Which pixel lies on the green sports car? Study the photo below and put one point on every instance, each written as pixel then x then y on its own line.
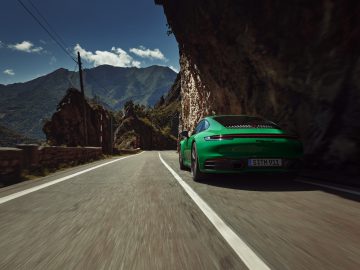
pixel 238 144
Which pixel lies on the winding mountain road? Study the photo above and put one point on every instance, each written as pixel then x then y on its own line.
pixel 142 212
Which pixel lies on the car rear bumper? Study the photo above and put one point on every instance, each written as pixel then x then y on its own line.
pixel 228 165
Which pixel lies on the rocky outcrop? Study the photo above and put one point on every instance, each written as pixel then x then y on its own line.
pixel 139 132
pixel 66 126
pixel 294 62
pixel 167 111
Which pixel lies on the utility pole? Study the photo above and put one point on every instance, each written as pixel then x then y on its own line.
pixel 101 131
pixel 83 103
pixel 111 135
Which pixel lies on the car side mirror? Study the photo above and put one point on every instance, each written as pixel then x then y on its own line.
pixel 184 134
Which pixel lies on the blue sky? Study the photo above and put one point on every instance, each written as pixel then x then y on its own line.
pixel 117 32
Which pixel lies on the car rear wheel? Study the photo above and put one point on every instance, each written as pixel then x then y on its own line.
pixel 181 162
pixel 195 171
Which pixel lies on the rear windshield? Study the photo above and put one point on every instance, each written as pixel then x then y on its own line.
pixel 244 122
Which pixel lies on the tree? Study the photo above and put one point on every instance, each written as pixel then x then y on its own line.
pixel 129 108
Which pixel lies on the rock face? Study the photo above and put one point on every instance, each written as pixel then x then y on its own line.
pixel 166 112
pixel 66 125
pixel 137 132
pixel 294 62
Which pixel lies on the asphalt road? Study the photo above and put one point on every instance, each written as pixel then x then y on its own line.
pixel 135 214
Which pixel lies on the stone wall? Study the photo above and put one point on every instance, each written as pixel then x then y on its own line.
pixel 11 162
pixel 32 157
pixel 56 155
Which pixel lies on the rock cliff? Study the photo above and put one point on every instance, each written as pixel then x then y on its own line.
pixel 294 62
pixel 137 131
pixel 66 125
pixel 166 112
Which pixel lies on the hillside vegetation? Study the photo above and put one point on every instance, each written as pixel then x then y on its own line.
pixel 24 107
pixel 137 126
pixel 150 128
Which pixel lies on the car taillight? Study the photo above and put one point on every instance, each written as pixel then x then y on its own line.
pixel 247 135
pixel 217 138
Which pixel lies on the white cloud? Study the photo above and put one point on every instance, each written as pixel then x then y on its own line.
pixel 116 57
pixel 25 46
pixel 9 72
pixel 147 53
pixel 1 44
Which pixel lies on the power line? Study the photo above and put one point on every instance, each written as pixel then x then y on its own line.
pixel 59 41
pixel 46 30
pixel 47 23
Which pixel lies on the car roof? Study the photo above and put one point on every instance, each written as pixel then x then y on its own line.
pixel 221 115
pixel 212 118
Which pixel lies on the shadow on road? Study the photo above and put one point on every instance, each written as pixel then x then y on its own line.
pixel 263 182
pixel 270 183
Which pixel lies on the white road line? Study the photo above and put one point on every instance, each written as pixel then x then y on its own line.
pixel 245 253
pixel 330 187
pixel 33 189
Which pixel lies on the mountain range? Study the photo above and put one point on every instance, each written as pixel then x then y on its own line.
pixel 25 106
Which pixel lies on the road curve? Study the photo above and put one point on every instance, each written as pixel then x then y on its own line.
pixel 134 214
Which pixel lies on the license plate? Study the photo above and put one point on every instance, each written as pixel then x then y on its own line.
pixel 265 162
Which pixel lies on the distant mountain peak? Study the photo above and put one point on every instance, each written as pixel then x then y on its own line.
pixel 116 67
pixel 60 70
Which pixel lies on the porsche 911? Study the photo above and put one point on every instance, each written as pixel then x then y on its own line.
pixel 238 144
